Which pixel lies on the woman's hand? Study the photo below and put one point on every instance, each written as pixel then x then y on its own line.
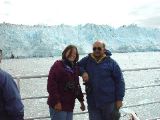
pixel 85 77
pixel 82 106
pixel 119 104
pixel 58 107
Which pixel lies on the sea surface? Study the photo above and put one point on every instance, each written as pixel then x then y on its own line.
pixel 41 66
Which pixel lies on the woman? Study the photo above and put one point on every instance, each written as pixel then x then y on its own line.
pixel 63 86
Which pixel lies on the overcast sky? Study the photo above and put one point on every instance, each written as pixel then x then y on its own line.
pixel 73 12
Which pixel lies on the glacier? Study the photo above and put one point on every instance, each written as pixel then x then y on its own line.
pixel 48 41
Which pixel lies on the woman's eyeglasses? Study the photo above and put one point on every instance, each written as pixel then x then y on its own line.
pixel 97 48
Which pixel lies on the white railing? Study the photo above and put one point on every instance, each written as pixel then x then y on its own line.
pixel 19 78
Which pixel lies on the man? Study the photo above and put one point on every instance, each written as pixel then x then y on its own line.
pixel 105 88
pixel 11 107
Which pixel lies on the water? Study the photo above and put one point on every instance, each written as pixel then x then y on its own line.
pixel 37 87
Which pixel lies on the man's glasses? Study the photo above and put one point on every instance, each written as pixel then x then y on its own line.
pixel 97 48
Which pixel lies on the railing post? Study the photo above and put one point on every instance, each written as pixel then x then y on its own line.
pixel 18 84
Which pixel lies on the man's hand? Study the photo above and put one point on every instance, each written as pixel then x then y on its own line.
pixel 58 107
pixel 85 77
pixel 82 106
pixel 119 104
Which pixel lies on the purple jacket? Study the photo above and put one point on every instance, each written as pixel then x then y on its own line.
pixel 59 75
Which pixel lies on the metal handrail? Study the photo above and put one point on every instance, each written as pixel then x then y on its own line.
pixel 157 118
pixel 129 88
pixel 19 78
pixel 139 69
pixel 124 70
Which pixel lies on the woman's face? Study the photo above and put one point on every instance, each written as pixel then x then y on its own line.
pixel 72 56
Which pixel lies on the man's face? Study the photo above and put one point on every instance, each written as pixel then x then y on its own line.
pixel 98 49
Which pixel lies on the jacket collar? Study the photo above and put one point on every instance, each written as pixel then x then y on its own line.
pixel 98 60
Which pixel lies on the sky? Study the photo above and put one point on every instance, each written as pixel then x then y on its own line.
pixel 72 12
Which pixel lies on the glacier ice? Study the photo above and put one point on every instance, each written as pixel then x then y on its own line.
pixel 44 41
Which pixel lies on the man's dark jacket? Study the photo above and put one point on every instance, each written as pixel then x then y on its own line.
pixel 11 107
pixel 105 79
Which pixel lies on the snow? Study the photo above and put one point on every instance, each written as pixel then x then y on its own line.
pixel 44 41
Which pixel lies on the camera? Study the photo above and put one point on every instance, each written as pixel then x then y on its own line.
pixel 88 87
pixel 70 86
